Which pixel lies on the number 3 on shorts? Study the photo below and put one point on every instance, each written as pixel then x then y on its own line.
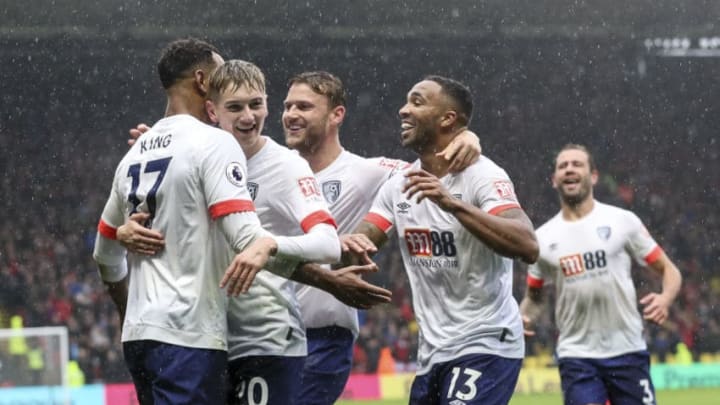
pixel 648 397
pixel 461 393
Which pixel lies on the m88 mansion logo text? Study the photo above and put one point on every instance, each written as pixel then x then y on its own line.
pixel 430 248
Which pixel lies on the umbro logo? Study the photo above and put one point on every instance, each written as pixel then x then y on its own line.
pixel 404 206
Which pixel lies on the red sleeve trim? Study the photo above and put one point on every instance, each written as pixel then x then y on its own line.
pixel 230 207
pixel 378 221
pixel 534 282
pixel 501 208
pixel 317 217
pixel 654 256
pixel 106 230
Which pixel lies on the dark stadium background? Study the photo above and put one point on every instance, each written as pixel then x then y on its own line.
pixel 76 75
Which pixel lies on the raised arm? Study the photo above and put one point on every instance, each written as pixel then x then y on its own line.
pixel 510 233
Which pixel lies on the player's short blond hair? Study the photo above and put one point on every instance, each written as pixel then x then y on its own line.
pixel 234 74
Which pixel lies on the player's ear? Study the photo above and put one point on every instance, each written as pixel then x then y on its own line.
pixel 210 108
pixel 337 115
pixel 449 119
pixel 201 81
pixel 594 176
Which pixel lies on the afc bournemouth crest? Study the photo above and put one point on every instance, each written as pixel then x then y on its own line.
pixel 331 190
pixel 604 232
pixel 253 189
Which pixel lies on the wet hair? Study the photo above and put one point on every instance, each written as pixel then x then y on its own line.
pixel 322 83
pixel 576 146
pixel 181 56
pixel 459 94
pixel 234 74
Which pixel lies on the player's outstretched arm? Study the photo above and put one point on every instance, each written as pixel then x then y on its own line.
pixel 463 151
pixel 531 307
pixel 137 239
pixel 657 306
pixel 510 233
pixel 345 284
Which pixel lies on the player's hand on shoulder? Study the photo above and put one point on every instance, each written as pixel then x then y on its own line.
pixel 136 132
pixel 137 239
pixel 242 271
pixel 463 151
pixel 655 307
pixel 357 248
pixel 350 289
pixel 420 185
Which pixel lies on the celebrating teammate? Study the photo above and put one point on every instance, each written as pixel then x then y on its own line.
pixel 457 233
pixel 314 111
pixel 266 337
pixel 587 250
pixel 189 178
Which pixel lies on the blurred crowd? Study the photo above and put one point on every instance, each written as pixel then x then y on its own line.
pixel 649 121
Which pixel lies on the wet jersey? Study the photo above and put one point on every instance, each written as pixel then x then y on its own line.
pixel 266 321
pixel 461 289
pixel 185 174
pixel 589 261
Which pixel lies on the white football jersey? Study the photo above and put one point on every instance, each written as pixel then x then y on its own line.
pixel 185 174
pixel 348 185
pixel 461 289
pixel 589 261
pixel 266 321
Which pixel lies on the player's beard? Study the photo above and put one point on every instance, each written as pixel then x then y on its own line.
pixel 419 139
pixel 582 193
pixel 310 140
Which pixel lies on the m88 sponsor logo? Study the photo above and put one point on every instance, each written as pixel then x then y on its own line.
pixel 574 265
pixel 429 243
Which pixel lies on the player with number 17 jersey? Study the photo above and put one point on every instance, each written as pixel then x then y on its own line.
pixel 187 175
pixel 461 289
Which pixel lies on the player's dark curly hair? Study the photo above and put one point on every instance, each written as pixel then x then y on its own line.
pixel 459 94
pixel 181 57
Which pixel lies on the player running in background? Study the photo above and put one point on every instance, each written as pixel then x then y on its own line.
pixel 314 111
pixel 189 178
pixel 458 234
pixel 587 251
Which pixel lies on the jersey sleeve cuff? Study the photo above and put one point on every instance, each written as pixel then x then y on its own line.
pixel 230 207
pixel 500 208
pixel 654 255
pixel 106 230
pixel 317 217
pixel 534 282
pixel 378 220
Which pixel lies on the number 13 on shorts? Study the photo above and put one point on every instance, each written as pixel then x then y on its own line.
pixel 466 388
